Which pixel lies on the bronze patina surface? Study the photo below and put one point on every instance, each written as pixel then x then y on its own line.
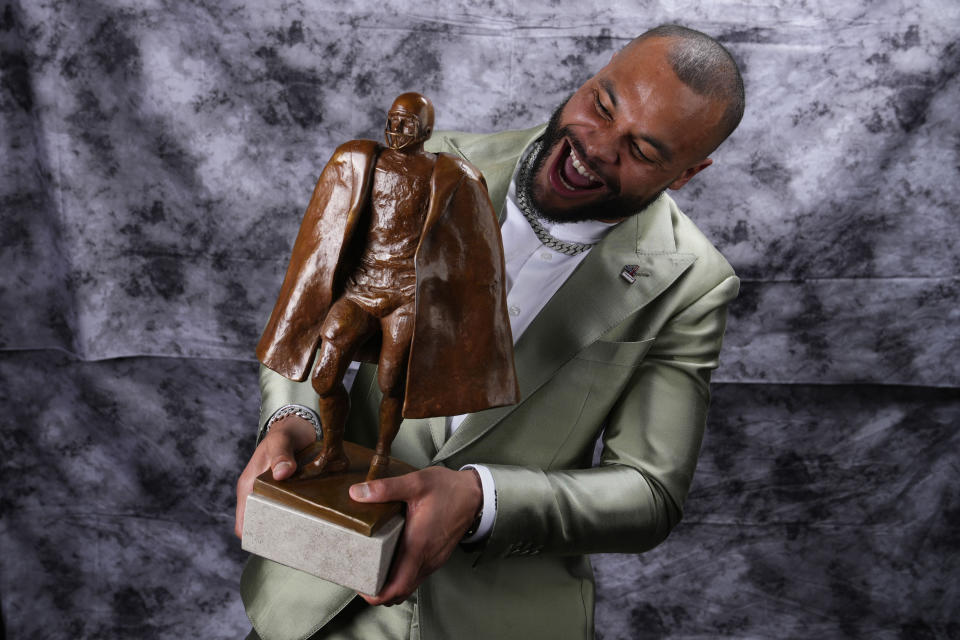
pixel 326 496
pixel 398 261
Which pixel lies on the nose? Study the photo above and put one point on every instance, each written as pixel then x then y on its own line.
pixel 601 144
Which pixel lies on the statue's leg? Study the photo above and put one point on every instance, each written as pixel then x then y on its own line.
pixel 344 329
pixel 397 331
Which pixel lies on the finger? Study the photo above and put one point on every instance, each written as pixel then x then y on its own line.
pixel 244 488
pixel 398 558
pixel 283 467
pixel 399 489
pixel 238 518
pixel 403 577
pixel 397 589
pixel 280 455
pixel 288 435
pixel 275 452
pixel 377 600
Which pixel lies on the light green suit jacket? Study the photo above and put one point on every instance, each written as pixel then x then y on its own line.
pixel 632 360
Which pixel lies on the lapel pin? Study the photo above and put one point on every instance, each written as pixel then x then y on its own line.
pixel 631 272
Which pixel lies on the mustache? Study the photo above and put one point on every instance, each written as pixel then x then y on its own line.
pixel 611 182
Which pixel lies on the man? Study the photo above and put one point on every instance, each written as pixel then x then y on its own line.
pixel 618 336
pixel 429 270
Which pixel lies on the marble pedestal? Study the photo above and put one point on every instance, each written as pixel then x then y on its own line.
pixel 321 548
pixel 314 526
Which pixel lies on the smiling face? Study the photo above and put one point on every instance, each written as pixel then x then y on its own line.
pixel 631 131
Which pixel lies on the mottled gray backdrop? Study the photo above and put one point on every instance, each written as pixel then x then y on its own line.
pixel 157 156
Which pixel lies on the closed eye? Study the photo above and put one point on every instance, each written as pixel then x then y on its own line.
pixel 602 110
pixel 639 153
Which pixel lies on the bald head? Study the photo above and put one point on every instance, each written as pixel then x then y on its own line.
pixel 645 122
pixel 704 65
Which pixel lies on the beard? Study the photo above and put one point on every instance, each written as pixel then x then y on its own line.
pixel 612 207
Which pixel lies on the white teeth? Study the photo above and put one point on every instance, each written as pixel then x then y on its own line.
pixel 582 170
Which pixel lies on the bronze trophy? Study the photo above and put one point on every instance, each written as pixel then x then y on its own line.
pixel 398 261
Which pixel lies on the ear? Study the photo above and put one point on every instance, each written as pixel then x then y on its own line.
pixel 689 172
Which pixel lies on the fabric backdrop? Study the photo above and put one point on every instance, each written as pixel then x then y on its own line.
pixel 156 157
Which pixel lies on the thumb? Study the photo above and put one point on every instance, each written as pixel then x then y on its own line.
pixel 282 466
pixel 383 490
pixel 280 456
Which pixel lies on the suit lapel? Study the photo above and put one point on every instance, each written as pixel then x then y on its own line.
pixel 593 300
pixel 496 157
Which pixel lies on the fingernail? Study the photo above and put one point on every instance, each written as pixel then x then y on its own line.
pixel 281 466
pixel 360 491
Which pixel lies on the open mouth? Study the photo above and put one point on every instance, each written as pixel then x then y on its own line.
pixel 570 176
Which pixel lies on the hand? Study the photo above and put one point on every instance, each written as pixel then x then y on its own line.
pixel 287 435
pixel 441 504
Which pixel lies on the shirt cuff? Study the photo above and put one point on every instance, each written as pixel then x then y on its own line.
pixel 489 512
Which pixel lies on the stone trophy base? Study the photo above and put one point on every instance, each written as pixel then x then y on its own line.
pixel 313 525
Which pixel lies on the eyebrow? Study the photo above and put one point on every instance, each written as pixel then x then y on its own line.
pixel 661 148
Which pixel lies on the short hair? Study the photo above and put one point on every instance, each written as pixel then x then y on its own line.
pixel 704 65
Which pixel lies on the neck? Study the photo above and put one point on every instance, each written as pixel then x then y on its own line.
pixel 411 149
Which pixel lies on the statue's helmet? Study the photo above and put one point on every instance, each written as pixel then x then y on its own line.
pixel 409 121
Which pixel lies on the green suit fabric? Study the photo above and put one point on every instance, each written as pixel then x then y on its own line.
pixel 632 360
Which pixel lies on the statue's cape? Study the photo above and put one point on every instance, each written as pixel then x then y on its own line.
pixel 461 355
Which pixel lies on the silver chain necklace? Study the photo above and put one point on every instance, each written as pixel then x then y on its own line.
pixel 524 180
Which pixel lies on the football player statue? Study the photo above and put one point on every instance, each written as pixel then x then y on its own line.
pixel 398 261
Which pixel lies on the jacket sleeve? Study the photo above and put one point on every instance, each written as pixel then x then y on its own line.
pixel 631 501
pixel 277 391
